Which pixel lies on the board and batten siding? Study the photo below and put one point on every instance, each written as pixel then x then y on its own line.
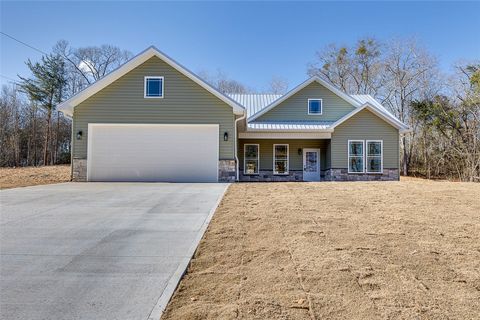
pixel 365 126
pixel 295 159
pixel 184 102
pixel 295 108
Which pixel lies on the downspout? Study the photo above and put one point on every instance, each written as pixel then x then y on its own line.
pixel 237 174
pixel 71 148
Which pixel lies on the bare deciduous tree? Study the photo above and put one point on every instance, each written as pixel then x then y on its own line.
pixel 333 64
pixel 408 71
pixel 278 85
pixel 87 65
pixel 357 69
pixel 222 82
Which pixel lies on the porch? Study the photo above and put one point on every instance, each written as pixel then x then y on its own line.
pixel 284 159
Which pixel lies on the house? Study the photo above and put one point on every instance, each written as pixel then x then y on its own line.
pixel 154 120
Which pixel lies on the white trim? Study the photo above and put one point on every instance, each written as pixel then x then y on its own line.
pixel 305 150
pixel 145 87
pixel 363 156
pixel 235 147
pixel 89 148
pixel 68 105
pixel 321 107
pixel 387 118
pixel 245 159
pixel 284 135
pixel 288 159
pixel 92 125
pixel 324 83
pixel 381 156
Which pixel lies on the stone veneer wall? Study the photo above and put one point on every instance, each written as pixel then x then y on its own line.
pixel 268 176
pixel 79 170
pixel 226 171
pixel 343 175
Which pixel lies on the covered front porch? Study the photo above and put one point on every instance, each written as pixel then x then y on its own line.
pixel 280 159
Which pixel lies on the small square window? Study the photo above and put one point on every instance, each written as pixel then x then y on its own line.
pixel 315 106
pixel 153 87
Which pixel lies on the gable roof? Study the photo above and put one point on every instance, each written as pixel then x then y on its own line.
pixel 254 102
pixel 386 116
pixel 364 98
pixel 68 105
pixel 319 80
pixel 259 104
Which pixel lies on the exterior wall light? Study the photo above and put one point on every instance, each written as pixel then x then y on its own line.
pixel 299 151
pixel 79 135
pixel 225 136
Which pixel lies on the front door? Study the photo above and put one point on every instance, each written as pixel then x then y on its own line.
pixel 311 164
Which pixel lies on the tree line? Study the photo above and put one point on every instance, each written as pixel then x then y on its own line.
pixel 442 110
pixel 32 131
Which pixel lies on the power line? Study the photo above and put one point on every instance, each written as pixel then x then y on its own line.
pixel 25 44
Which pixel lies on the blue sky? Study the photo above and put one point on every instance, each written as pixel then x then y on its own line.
pixel 250 41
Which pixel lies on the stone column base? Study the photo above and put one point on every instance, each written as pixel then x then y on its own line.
pixel 226 171
pixel 343 175
pixel 268 176
pixel 79 170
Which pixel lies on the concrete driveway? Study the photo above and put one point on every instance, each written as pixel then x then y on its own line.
pixel 98 250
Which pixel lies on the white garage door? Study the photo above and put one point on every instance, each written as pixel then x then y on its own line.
pixel 153 152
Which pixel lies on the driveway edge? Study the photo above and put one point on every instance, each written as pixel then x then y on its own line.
pixel 172 284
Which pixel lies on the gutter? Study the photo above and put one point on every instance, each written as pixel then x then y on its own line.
pixel 235 151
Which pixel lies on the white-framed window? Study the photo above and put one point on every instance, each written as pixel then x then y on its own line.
pixel 153 87
pixel 251 158
pixel 280 159
pixel 356 155
pixel 315 106
pixel 374 156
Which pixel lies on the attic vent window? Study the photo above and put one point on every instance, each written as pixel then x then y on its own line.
pixel 315 106
pixel 153 87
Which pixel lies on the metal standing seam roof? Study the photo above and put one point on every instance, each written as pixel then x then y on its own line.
pixel 293 125
pixel 253 102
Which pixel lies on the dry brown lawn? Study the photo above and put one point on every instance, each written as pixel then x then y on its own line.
pixel 359 250
pixel 31 176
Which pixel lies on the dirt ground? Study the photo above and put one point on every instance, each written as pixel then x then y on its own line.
pixel 31 176
pixel 359 250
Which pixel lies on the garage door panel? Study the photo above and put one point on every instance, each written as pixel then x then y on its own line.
pixel 176 153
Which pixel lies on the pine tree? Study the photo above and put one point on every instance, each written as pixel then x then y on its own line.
pixel 46 88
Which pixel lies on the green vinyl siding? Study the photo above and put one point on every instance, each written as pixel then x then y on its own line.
pixel 365 126
pixel 295 159
pixel 184 102
pixel 295 108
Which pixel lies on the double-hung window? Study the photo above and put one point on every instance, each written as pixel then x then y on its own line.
pixel 315 106
pixel 153 87
pixel 251 158
pixel 365 156
pixel 355 156
pixel 374 161
pixel 280 159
